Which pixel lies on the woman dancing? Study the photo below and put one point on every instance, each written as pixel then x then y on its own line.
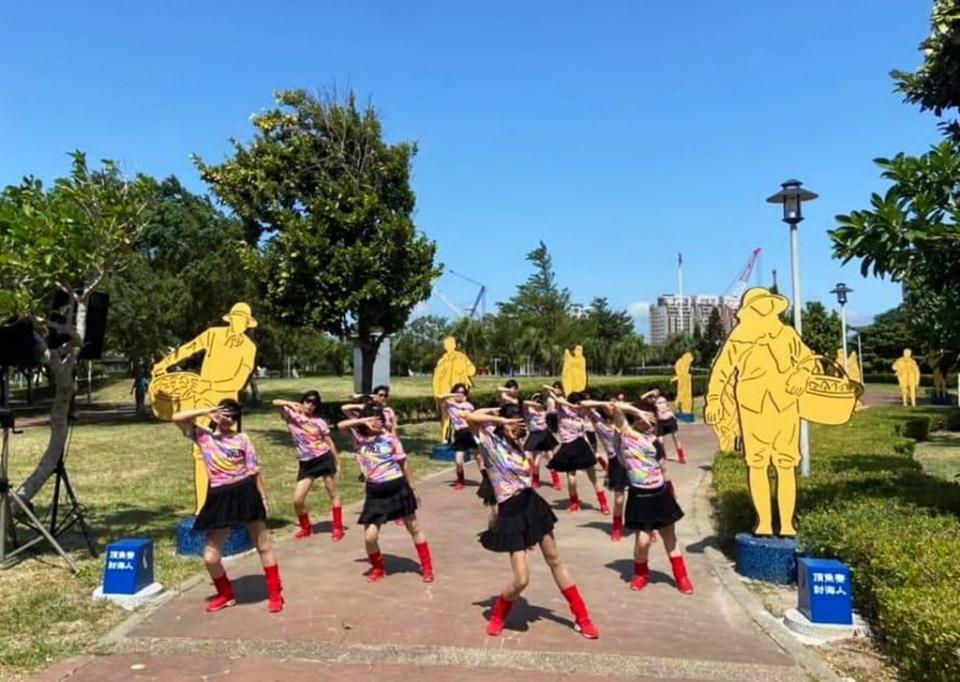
pixel 540 441
pixel 601 414
pixel 666 422
pixel 461 440
pixel 575 453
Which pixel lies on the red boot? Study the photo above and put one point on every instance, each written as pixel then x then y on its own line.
pixel 426 562
pixel 337 534
pixel 306 528
pixel 617 533
pixel 574 503
pixel 583 625
pixel 225 596
pixel 680 575
pixel 603 464
pixel 274 588
pixel 535 476
pixel 461 481
pixel 379 569
pixel 602 498
pixel 555 480
pixel 681 456
pixel 500 610
pixel 641 576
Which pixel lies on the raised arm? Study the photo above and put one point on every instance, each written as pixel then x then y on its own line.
pixel 346 424
pixel 287 403
pixel 350 409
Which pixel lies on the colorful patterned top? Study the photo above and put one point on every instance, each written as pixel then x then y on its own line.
pixel 455 412
pixel 228 459
pixel 638 454
pixel 378 457
pixel 664 412
pixel 536 419
pixel 309 434
pixel 507 467
pixel 571 424
pixel 606 434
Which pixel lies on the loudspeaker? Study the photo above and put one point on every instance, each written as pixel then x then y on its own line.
pixel 17 344
pixel 97 306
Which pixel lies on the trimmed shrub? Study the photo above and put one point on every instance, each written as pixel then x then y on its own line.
pixel 915 428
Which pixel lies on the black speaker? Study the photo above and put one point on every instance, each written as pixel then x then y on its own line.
pixel 18 344
pixel 97 306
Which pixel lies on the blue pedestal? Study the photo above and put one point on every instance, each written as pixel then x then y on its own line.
pixel 773 560
pixel 825 592
pixel 128 567
pixel 946 400
pixel 444 453
pixel 190 542
pixel 687 417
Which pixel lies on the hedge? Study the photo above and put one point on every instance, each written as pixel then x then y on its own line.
pixel 869 503
pixel 891 378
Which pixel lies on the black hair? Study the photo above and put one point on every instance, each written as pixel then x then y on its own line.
pixel 646 406
pixel 558 385
pixel 511 383
pixel 575 397
pixel 460 387
pixel 509 411
pixel 382 387
pixel 312 396
pixel 370 409
pixel 232 407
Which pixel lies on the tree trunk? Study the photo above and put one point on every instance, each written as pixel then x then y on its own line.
pixel 368 355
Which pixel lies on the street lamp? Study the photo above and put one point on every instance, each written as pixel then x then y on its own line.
pixel 841 290
pixel 791 196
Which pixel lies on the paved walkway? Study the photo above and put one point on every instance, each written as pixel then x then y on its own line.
pixel 336 624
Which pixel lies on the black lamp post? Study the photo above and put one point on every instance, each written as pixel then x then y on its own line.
pixel 841 290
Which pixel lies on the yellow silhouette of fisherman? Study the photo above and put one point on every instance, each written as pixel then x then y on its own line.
pixel 573 376
pixel 229 358
pixel 852 366
pixel 453 367
pixel 939 380
pixel 908 376
pixel 684 382
pixel 769 366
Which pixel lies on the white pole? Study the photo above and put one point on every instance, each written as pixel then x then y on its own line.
pixel 843 326
pixel 89 381
pixel 680 290
pixel 798 325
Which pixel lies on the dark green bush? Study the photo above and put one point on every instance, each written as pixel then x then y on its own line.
pixel 915 428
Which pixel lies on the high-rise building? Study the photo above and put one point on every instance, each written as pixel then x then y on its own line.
pixel 666 317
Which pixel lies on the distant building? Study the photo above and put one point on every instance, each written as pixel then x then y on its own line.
pixel 578 311
pixel 665 317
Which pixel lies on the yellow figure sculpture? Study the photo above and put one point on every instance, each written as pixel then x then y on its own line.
pixel 908 376
pixel 939 380
pixel 769 366
pixel 453 367
pixel 684 382
pixel 573 376
pixel 229 358
pixel 852 367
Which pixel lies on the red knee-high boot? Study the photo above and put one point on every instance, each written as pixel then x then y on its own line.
pixel 306 528
pixel 337 534
pixel 574 503
pixel 535 475
pixel 379 569
pixel 426 561
pixel 681 456
pixel 641 575
pixel 680 575
pixel 274 588
pixel 225 596
pixel 583 625
pixel 461 481
pixel 617 532
pixel 500 610
pixel 555 479
pixel 602 499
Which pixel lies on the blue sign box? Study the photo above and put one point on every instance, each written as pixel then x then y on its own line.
pixel 444 453
pixel 191 542
pixel 128 567
pixel 825 591
pixel 687 417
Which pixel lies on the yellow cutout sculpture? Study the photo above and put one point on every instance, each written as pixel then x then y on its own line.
pixel 770 371
pixel 229 358
pixel 684 382
pixel 908 376
pixel 939 380
pixel 574 373
pixel 453 367
pixel 852 367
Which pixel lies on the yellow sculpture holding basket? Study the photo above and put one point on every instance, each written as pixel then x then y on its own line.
pixel 829 399
pixel 573 376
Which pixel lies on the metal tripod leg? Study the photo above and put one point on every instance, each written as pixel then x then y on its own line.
pixel 36 525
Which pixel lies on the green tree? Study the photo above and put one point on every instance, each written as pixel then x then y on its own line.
pixel 418 346
pixel 711 340
pixel 602 330
pixel 69 238
pixel 327 206
pixel 822 330
pixel 884 339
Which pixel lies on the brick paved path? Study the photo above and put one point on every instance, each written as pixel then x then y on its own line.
pixel 335 624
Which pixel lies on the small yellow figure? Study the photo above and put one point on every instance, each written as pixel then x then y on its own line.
pixel 453 367
pixel 908 376
pixel 852 366
pixel 574 373
pixel 229 358
pixel 939 380
pixel 684 382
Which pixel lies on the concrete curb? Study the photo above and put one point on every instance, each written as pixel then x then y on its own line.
pixel 721 567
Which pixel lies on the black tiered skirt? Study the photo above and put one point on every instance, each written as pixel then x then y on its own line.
pixel 540 441
pixel 231 505
pixel 463 440
pixel 387 502
pixel 318 467
pixel 522 522
pixel 573 456
pixel 650 510
pixel 617 479
pixel 485 491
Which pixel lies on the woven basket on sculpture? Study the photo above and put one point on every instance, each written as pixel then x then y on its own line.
pixel 829 398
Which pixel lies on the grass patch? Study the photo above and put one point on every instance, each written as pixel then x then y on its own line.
pixel 135 478
pixel 940 455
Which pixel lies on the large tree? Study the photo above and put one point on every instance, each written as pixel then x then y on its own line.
pixel 327 206
pixel 821 329
pixel 605 328
pixel 68 238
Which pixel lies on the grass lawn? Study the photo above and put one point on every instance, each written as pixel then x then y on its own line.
pixel 135 478
pixel 939 455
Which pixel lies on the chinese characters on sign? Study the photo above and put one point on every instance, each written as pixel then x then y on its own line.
pixel 830 584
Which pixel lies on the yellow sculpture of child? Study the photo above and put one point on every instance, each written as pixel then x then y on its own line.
pixel 684 382
pixel 908 377
pixel 574 373
pixel 229 358
pixel 453 367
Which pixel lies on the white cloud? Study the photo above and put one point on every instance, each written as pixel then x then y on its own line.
pixel 419 310
pixel 639 309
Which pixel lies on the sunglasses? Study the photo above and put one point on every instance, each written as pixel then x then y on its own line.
pixel 381 395
pixel 310 401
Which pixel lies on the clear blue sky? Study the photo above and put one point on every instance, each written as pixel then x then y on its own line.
pixel 619 132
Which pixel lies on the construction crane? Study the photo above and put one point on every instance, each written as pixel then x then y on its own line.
pixel 480 302
pixel 739 285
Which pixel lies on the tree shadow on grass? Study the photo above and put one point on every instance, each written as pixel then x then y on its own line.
pixel 523 614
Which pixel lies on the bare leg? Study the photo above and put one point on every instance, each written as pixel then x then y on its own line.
pixel 261 539
pixel 551 554
pixel 521 576
pixel 592 475
pixel 619 497
pixel 330 483
pixel 669 535
pixel 413 527
pixel 572 484
pixel 211 551
pixel 300 492
pixel 371 537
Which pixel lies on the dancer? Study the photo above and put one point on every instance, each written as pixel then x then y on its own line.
pixel 553 423
pixel 650 504
pixel 390 490
pixel 236 496
pixel 601 414
pixel 524 519
pixel 318 458
pixel 575 453
pixel 509 393
pixel 666 422
pixel 461 438
pixel 540 441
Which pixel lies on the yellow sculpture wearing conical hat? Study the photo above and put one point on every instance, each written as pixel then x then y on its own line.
pixel 908 377
pixel 453 367
pixel 684 382
pixel 574 373
pixel 229 358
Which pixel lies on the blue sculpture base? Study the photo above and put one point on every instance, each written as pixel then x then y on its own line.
pixel 773 560
pixel 444 453
pixel 687 417
pixel 946 400
pixel 190 542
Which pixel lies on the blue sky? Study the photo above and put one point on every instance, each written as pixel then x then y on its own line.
pixel 618 132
